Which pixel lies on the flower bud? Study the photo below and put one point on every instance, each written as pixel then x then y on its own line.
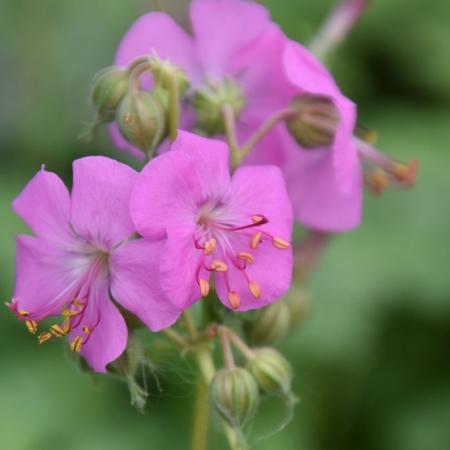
pixel 209 102
pixel 235 395
pixel 272 371
pixel 109 87
pixel 271 325
pixel 164 71
pixel 314 121
pixel 141 120
pixel 298 302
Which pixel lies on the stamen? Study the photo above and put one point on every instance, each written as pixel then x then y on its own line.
pixel 255 240
pixel 234 299
pixel 255 289
pixel 204 287
pixel 76 344
pixel 23 313
pixel 44 337
pixel 219 266
pixel 57 331
pixel 406 173
pixel 247 257
pixel 210 246
pixel 280 243
pixel 69 313
pixel 377 181
pixel 86 329
pixel 257 218
pixel 32 326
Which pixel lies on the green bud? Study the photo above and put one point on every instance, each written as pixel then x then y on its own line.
pixel 234 394
pixel 272 324
pixel 109 87
pixel 141 120
pixel 314 121
pixel 272 371
pixel 164 71
pixel 209 102
pixel 298 302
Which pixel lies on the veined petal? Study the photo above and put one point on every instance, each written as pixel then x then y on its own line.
pixel 172 186
pixel 100 200
pixel 136 285
pixel 108 336
pixel 223 27
pixel 44 205
pixel 47 276
pixel 181 262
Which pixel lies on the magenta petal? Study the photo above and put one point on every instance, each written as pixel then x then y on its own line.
pixel 222 27
pixel 320 199
pixel 262 190
pixel 108 339
pixel 100 200
pixel 44 205
pixel 172 186
pixel 158 32
pixel 46 276
pixel 136 283
pixel 180 263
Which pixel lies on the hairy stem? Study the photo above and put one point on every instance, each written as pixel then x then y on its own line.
pixel 230 130
pixel 174 107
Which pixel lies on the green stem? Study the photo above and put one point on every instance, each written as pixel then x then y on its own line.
pixel 200 426
pixel 189 324
pixel 230 131
pixel 262 131
pixel 174 107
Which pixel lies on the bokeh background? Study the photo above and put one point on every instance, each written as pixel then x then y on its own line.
pixel 372 362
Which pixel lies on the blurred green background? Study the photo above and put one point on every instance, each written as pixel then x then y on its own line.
pixel 372 363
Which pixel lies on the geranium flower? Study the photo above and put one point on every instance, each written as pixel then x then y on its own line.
pixel 235 227
pixel 81 259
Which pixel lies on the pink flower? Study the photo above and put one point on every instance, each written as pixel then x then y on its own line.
pixel 232 40
pixel 236 227
pixel 325 183
pixel 81 258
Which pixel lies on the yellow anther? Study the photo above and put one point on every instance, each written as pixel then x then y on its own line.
pixel 378 181
pixel 280 243
pixel 24 312
pixel 32 326
pixel 78 304
pixel 66 326
pixel 257 218
pixel 219 266
pixel 247 257
pixel 255 240
pixel 406 173
pixel 76 344
pixel 68 312
pixel 204 287
pixel 86 329
pixel 44 337
pixel 57 331
pixel 234 299
pixel 255 289
pixel 210 246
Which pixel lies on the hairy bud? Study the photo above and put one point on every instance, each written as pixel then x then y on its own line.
pixel 314 121
pixel 271 370
pixel 141 120
pixel 272 324
pixel 298 302
pixel 164 72
pixel 209 102
pixel 235 395
pixel 109 87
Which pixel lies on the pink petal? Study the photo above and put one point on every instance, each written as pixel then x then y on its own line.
pixel 44 205
pixel 136 285
pixel 320 199
pixel 172 186
pixel 262 190
pixel 46 276
pixel 223 27
pixel 108 339
pixel 158 32
pixel 180 263
pixel 100 200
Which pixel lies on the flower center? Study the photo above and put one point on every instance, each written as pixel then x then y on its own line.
pixel 223 243
pixel 210 100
